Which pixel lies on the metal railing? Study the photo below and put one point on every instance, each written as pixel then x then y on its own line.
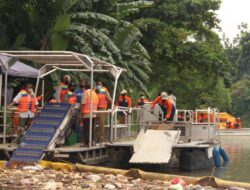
pixel 136 119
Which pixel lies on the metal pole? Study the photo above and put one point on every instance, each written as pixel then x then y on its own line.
pixel 208 114
pixel 5 103
pixel 130 116
pixel 111 139
pixel 91 107
pixel 43 92
pixel 37 82
pixel 214 122
pixel 196 116
pixel 219 126
pixel 1 80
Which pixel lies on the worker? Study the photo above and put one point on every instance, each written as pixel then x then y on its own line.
pixel 104 98
pixel 181 117
pixel 141 101
pixel 62 88
pixel 79 91
pixel 229 125
pixel 27 106
pixel 165 104
pixel 201 118
pixel 237 123
pixel 86 114
pixel 172 98
pixel 70 97
pixel 123 101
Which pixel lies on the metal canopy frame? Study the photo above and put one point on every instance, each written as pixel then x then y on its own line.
pixel 53 61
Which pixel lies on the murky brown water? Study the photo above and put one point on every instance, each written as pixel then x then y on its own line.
pixel 238 148
pixel 238 169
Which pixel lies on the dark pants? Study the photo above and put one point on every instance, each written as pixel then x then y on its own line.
pixel 24 125
pixel 86 128
pixel 172 113
pixel 164 110
pixel 101 121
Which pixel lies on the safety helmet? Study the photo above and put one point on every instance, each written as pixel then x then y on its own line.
pixel 164 96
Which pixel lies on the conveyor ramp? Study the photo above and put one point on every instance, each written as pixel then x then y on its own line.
pixel 43 132
pixel 154 146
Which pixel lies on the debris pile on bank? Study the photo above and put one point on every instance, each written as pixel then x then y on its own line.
pixel 37 178
pixel 55 175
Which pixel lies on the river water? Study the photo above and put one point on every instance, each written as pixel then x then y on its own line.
pixel 238 169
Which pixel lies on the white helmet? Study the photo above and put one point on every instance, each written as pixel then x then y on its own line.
pixel 164 96
pixel 124 91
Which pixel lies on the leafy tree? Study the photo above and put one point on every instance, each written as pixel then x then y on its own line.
pixel 238 53
pixel 81 26
pixel 240 91
pixel 186 54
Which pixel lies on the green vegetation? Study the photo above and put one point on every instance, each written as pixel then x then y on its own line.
pixel 163 44
pixel 238 53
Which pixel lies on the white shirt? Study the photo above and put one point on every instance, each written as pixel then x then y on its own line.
pixel 27 114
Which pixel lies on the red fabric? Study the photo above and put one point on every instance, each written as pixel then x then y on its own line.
pixel 178 180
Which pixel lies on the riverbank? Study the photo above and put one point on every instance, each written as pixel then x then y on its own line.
pixel 49 175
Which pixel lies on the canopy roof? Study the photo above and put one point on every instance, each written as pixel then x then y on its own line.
pixel 61 60
pixel 17 68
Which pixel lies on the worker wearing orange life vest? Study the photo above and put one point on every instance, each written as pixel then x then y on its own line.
pixel 141 101
pixel 62 89
pixel 86 114
pixel 123 101
pixel 164 103
pixel 27 106
pixel 70 97
pixel 104 97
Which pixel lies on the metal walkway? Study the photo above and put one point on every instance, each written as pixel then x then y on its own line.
pixel 43 132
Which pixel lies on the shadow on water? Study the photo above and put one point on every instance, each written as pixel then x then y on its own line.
pixel 237 169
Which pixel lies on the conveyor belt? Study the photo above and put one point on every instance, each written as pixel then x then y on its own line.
pixel 43 132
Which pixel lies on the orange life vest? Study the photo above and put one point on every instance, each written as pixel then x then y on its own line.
pixel 103 102
pixel 24 104
pixel 71 97
pixel 95 100
pixel 124 101
pixel 63 91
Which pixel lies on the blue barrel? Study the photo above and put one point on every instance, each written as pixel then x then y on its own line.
pixel 216 156
pixel 224 155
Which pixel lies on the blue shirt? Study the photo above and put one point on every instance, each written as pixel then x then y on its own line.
pixel 78 93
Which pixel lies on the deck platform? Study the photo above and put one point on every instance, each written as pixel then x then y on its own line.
pixel 8 147
pixel 193 144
